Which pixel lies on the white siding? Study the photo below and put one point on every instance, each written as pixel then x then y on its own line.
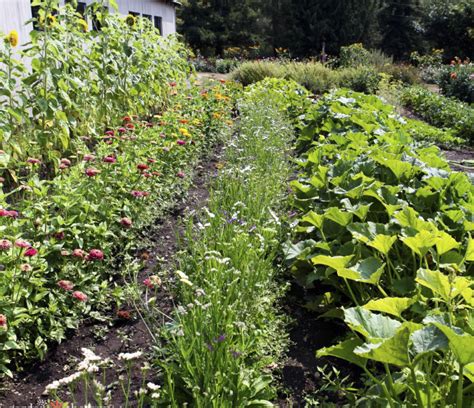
pixel 13 15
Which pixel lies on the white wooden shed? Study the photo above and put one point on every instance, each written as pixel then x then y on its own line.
pixel 14 14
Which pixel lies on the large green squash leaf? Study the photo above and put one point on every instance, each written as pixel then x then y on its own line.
pixel 391 305
pixel 462 345
pixel 372 326
pixel 344 351
pixel 368 271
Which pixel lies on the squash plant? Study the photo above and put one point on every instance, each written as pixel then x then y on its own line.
pixel 387 225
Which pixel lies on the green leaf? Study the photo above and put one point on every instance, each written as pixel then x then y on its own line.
pixel 368 271
pixel 344 351
pixel 435 281
pixel 428 339
pixel 445 243
pixel 470 250
pixel 335 262
pixel 391 351
pixel 370 325
pixel 298 250
pixel 462 345
pixel 314 219
pixel 421 242
pixel 338 216
pixel 382 243
pixel 392 305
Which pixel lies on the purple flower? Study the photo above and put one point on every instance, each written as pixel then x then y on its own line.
pixel 220 339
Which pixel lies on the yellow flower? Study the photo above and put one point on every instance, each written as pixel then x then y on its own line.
pixel 12 38
pixel 83 25
pixel 51 20
pixel 130 20
pixel 216 115
pixel 184 132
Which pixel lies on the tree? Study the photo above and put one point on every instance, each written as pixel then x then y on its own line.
pixel 400 24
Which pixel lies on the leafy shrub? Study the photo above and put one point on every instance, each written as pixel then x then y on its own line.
pixel 226 65
pixel 441 111
pixel 361 79
pixel 457 80
pixel 406 74
pixel 354 55
pixel 252 72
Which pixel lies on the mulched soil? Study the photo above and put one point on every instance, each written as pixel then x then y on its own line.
pixel 26 389
pixel 299 376
pixel 458 158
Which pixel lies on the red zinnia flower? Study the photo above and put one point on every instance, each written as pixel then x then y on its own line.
pixel 180 174
pixel 183 121
pixel 65 284
pixel 60 235
pixel 95 255
pixel 142 166
pixel 3 321
pixel 126 222
pixel 148 283
pixel 130 126
pixel 20 243
pixel 31 252
pixel 109 159
pixel 151 160
pixel 79 296
pixel 454 75
pixel 172 84
pixel 127 119
pixel 91 172
pixel 110 133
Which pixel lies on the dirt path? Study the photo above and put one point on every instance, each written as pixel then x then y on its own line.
pixel 124 335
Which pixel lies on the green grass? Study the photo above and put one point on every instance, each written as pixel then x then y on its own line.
pixel 226 329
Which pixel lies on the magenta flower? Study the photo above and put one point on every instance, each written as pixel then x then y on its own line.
pixel 95 255
pixel 180 174
pixel 80 296
pixel 91 172
pixel 60 235
pixel 136 193
pixel 109 159
pixel 31 252
pixel 110 133
pixel 88 157
pixel 126 222
pixel 78 253
pixel 181 142
pixel 3 321
pixel 142 167
pixel 148 283
pixel 8 213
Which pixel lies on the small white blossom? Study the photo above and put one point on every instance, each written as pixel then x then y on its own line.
pixel 153 386
pixel 130 356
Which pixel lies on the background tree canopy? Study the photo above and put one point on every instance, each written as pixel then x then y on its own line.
pixel 303 27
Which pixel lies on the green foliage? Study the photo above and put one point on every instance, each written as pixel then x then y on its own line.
pixel 80 82
pixel 226 330
pixel 385 223
pixel 457 80
pixel 441 111
pixel 135 173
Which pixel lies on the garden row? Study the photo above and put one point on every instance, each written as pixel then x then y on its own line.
pixel 225 331
pixel 66 85
pixel 63 243
pixel 383 240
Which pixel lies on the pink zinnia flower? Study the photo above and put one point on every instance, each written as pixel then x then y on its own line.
pixel 26 267
pixel 173 84
pixel 142 166
pixel 110 133
pixel 136 193
pixel 126 119
pixel 88 157
pixel 130 126
pixel 5 244
pixel 3 321
pixel 95 255
pixel 66 162
pixel 121 130
pixel 180 174
pixel 8 213
pixel 31 252
pixel 20 243
pixel 91 172
pixel 156 173
pixel 66 285
pixel 151 160
pixel 79 296
pixel 78 253
pixel 146 174
pixel 181 142
pixel 32 160
pixel 65 252
pixel 126 222
pixel 109 159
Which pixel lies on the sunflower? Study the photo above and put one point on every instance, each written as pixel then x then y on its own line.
pixel 130 20
pixel 12 38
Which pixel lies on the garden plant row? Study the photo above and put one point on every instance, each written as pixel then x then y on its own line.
pixel 64 242
pixel 383 235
